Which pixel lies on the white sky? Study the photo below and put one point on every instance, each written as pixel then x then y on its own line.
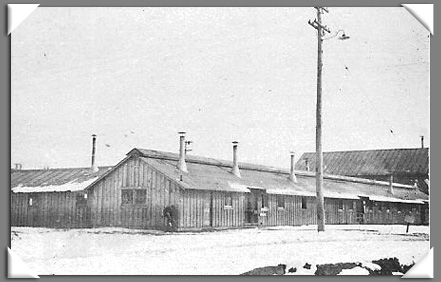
pixel 137 76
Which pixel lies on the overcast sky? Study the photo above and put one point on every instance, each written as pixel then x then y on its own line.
pixel 137 76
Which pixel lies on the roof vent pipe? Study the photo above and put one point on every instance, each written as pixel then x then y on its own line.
pixel 307 164
pixel 182 165
pixel 391 186
pixel 422 141
pixel 235 170
pixel 292 175
pixel 93 167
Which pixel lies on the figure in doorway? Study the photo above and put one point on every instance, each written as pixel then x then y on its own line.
pixel 170 214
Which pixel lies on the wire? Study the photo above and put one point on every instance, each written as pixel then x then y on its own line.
pixel 364 93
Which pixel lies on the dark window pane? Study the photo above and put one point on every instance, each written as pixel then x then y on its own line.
pixel 340 204
pixel 126 197
pixel 280 201
pixel 80 200
pixel 140 197
pixel 304 203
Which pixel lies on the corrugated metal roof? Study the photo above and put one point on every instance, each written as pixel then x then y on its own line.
pixel 210 174
pixel 371 162
pixel 48 180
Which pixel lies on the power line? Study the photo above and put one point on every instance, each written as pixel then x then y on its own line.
pixel 364 93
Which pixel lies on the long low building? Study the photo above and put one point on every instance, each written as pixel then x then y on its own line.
pixel 160 190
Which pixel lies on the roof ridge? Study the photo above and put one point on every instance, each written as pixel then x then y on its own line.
pixel 263 168
pixel 369 150
pixel 203 160
pixel 57 168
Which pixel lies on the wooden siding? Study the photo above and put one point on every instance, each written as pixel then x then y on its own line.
pixel 340 211
pixel 197 209
pixel 292 214
pixel 134 174
pixel 50 209
pixel 337 211
pixel 207 209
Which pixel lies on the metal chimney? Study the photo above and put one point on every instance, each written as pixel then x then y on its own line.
pixel 422 141
pixel 391 187
pixel 292 175
pixel 182 165
pixel 93 167
pixel 307 164
pixel 235 170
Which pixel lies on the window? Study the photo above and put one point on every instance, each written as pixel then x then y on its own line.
pixel 304 203
pixel 379 206
pixel 353 206
pixel 81 199
pixel 340 204
pixel 140 197
pixel 264 200
pixel 33 198
pixel 133 196
pixel 280 202
pixel 228 200
pixel 126 197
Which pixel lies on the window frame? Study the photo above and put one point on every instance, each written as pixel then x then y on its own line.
pixel 81 199
pixel 228 200
pixel 340 205
pixel 32 199
pixel 127 203
pixel 304 203
pixel 281 200
pixel 136 196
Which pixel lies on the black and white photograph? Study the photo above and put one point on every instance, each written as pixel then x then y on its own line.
pixel 220 141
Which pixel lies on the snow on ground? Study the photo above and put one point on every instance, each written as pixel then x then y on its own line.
pixel 119 251
pixel 354 271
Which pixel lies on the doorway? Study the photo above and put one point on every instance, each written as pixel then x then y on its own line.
pixel 255 201
pixel 361 208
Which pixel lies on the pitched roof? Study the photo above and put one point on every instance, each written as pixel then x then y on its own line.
pixel 371 162
pixel 212 174
pixel 57 180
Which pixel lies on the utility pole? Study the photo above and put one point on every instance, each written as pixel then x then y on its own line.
pixel 321 29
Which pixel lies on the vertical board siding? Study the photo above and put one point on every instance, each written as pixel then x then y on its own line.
pixel 197 209
pixel 202 208
pixel 49 209
pixel 134 174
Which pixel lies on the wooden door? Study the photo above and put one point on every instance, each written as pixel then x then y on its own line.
pixel 263 208
pixel 361 209
pixel 251 210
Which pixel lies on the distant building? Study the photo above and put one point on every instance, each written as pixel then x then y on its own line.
pixel 407 166
pixel 157 190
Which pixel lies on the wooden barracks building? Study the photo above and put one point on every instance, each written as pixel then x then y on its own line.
pixel 202 193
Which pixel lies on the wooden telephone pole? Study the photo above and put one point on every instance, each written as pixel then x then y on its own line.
pixel 317 24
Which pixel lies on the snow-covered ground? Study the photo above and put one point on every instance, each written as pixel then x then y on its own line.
pixel 119 251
